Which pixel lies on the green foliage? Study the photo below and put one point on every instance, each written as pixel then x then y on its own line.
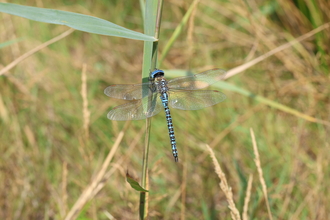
pixel 135 185
pixel 74 20
pixel 8 43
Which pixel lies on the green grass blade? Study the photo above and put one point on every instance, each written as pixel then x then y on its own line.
pixel 230 87
pixel 74 20
pixel 149 54
pixel 135 185
pixel 10 42
pixel 152 12
pixel 177 31
pixel 142 8
pixel 205 211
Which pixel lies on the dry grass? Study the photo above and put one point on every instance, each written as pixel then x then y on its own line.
pixel 56 141
pixel 261 177
pixel 86 112
pixel 97 183
pixel 247 198
pixel 224 186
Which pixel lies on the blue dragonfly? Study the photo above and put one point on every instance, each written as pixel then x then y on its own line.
pixel 148 99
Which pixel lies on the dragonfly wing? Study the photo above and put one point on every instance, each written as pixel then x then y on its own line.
pixel 195 99
pixel 129 91
pixel 136 109
pixel 198 81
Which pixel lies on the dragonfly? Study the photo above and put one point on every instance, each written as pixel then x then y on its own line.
pixel 148 99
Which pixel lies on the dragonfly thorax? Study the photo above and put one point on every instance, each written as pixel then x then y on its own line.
pixel 161 84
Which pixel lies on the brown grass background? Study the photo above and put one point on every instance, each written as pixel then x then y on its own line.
pixel 54 134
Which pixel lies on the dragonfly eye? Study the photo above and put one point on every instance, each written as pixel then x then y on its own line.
pixel 157 73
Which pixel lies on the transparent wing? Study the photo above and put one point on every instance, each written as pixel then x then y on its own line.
pixel 198 81
pixel 195 99
pixel 136 110
pixel 130 91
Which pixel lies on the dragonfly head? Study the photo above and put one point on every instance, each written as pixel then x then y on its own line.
pixel 157 73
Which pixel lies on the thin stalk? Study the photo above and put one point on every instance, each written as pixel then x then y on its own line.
pixel 178 30
pixel 151 27
pixel 142 7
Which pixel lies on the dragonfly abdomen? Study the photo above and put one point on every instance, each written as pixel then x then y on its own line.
pixel 164 99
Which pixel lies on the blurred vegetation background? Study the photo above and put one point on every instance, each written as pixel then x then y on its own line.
pixel 47 157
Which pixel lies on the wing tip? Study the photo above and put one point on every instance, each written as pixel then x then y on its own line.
pixel 106 91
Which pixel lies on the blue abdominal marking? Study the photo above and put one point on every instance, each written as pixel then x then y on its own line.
pixel 147 99
pixel 164 99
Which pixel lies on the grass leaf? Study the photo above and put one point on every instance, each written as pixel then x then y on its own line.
pixel 10 42
pixel 261 99
pixel 74 20
pixel 135 185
